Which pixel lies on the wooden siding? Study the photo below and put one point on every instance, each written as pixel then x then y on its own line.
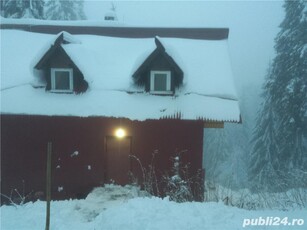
pixel 79 159
pixel 211 124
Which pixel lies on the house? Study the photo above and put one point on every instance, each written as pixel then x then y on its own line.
pixel 74 86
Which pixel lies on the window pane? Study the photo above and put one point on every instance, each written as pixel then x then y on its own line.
pixel 160 82
pixel 62 80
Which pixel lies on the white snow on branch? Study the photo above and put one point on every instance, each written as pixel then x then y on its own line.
pixel 74 154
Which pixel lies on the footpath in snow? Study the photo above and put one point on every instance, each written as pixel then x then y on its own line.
pixel 119 208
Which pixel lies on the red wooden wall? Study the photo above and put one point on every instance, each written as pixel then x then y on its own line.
pixel 79 160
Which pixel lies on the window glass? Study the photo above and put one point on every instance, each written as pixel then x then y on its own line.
pixel 160 82
pixel 62 81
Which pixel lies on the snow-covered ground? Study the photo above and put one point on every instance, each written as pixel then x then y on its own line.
pixel 115 207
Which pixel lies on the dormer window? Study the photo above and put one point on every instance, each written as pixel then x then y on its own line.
pixel 159 73
pixel 160 82
pixel 62 80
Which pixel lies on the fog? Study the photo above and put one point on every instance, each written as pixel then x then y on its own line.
pixel 253 26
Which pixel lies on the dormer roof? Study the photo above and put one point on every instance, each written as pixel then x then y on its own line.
pixel 63 38
pixel 159 52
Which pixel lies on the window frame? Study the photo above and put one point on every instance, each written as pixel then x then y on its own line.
pixel 168 82
pixel 53 80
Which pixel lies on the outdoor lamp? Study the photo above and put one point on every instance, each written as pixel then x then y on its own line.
pixel 120 133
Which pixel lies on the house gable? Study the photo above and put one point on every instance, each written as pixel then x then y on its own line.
pixel 158 62
pixel 55 59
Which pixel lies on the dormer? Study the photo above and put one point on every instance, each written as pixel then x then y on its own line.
pixel 60 72
pixel 159 74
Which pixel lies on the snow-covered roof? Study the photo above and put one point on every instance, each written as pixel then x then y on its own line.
pixel 77 23
pixel 108 64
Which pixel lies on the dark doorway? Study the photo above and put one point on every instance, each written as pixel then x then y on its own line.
pixel 118 161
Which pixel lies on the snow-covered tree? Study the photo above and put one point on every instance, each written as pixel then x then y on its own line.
pixel 262 170
pixel 22 9
pixel 65 10
pixel 216 154
pixel 225 158
pixel 178 188
pixel 279 153
pixel 2 4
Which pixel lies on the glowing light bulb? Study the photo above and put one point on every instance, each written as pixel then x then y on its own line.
pixel 120 133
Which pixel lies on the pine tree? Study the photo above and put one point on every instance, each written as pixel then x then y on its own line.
pixel 279 155
pixel 216 155
pixel 65 10
pixel 2 4
pixel 263 165
pixel 22 8
pixel 225 162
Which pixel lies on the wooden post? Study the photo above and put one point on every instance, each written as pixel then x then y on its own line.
pixel 48 185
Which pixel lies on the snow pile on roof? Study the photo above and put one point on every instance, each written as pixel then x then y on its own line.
pixel 206 66
pixel 108 65
pixel 68 38
pixel 32 21
pixel 18 50
pixel 107 103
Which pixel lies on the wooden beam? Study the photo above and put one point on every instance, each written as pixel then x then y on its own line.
pixel 216 125
pixel 48 185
